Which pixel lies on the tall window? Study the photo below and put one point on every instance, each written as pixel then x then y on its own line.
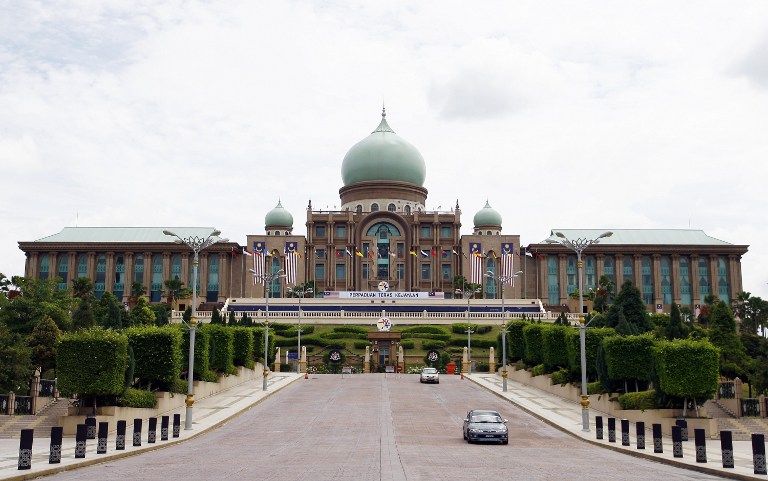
pixel 374 207
pixel 490 282
pixel 446 268
pixel 426 231
pixel 401 271
pixel 176 266
pixel 341 231
pixel 63 271
pixel 391 207
pixel 647 272
pixel 82 266
pixel 101 276
pixel 628 269
pixel 319 230
pixel 319 272
pixel 382 232
pixel 722 279
pixel 571 275
pixel 212 295
pixel 704 290
pixel 138 269
pixel 359 209
pixel 341 271
pixel 118 289
pixel 685 281
pixel 156 290
pixel 609 268
pixel 407 209
pixel 590 279
pixel 400 250
pixel 445 232
pixel 366 268
pixel 553 281
pixel 426 272
pixel 44 267
pixel 275 287
pixel 666 280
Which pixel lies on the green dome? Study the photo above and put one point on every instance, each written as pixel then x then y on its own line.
pixel 487 216
pixel 383 155
pixel 279 217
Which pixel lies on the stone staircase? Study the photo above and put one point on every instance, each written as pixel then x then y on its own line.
pixel 47 417
pixel 742 428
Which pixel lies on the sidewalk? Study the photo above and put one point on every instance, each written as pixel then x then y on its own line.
pixel 209 413
pixel 566 416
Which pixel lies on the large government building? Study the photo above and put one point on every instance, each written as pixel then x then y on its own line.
pixel 383 233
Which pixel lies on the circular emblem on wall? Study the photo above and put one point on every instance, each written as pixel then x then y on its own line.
pixel 334 356
pixel 384 324
pixel 433 356
pixel 383 286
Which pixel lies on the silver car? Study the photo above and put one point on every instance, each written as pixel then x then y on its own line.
pixel 430 374
pixel 485 426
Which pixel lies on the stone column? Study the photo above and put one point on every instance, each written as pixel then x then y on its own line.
pixel 109 277
pixel 224 271
pixel 33 265
pixel 91 266
pixel 563 277
pixel 147 281
pixel 675 278
pixel 128 275
pixel 367 361
pixel 734 284
pixel 72 267
pixel 599 268
pixel 638 270
pixel 53 265
pixel 400 359
pixel 740 287
pixel 203 287
pixel 303 358
pixel 491 360
pixel 618 268
pixel 185 269
pixel 277 360
pixel 695 296
pixel 465 361
pixel 543 290
pixel 656 272
pixel 166 272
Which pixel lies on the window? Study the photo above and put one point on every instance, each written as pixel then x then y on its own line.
pixel 704 290
pixel 156 288
pixel 119 286
pixel 666 279
pixel 589 273
pixel 722 279
pixel 366 268
pixel 62 272
pixel 101 276
pixel 138 269
pixel 685 281
pixel 553 281
pixel 82 266
pixel 212 293
pixel 341 231
pixel 445 232
pixel 647 273
pixel 426 272
pixel 359 209
pixel 43 269
pixel 320 253
pixel 426 231
pixel 389 229
pixel 446 272
pixel 341 272
pixel 407 209
pixel 401 271
pixel 609 268
pixel 374 207
pixel 572 281
pixel 628 269
pixel 488 233
pixel 400 250
pixel 490 282
pixel 391 207
pixel 319 230
pixel 319 272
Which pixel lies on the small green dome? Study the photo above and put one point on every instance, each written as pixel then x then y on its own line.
pixel 383 155
pixel 487 216
pixel 279 217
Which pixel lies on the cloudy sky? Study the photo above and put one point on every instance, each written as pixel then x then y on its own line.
pixel 563 115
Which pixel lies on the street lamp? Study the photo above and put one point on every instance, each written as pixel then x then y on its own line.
pixel 468 293
pixel 196 244
pixel 578 246
pixel 503 279
pixel 300 293
pixel 268 279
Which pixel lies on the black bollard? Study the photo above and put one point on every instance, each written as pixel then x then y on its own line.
pixel 176 425
pixel 137 432
pixel 625 432
pixel 599 427
pixel 120 436
pixel 80 437
pixel 90 421
pixel 54 457
pixel 758 453
pixel 25 448
pixel 640 432
pixel 611 430
pixel 699 439
pixel 658 446
pixel 683 429
pixel 152 430
pixel 726 447
pixel 101 444
pixel 677 442
pixel 164 428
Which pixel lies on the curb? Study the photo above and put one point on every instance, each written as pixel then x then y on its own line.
pixel 637 454
pixel 142 450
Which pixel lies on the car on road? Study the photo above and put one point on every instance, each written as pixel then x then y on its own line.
pixel 485 426
pixel 430 374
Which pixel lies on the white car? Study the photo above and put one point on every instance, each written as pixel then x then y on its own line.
pixel 430 374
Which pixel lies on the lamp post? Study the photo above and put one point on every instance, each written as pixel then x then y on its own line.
pixel 196 244
pixel 468 293
pixel 300 293
pixel 268 279
pixel 503 279
pixel 578 245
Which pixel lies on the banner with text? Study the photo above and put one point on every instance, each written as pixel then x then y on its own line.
pixel 382 295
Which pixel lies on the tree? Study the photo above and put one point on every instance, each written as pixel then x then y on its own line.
pixel 606 290
pixel 175 290
pixel 675 328
pixel 137 290
pixel 5 284
pixel 162 314
pixel 84 316
pixel 15 362
pixel 623 327
pixel 142 314
pixel 82 288
pixel 630 303
pixel 464 287
pixel 37 299
pixel 109 312
pixel 231 318
pixel 246 320
pixel 42 343
pixel 216 317
pixel 302 288
pixel 722 333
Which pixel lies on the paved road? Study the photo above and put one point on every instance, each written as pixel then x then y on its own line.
pixel 378 427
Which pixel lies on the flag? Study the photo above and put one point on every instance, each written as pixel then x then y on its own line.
pixel 413 252
pixel 424 253
pixel 392 254
pixel 434 252
pixel 339 254
pixel 508 262
pixel 290 262
pixel 348 252
pixel 245 251
pixel 477 262
pixel 259 255
pixel 358 253
pixel 462 255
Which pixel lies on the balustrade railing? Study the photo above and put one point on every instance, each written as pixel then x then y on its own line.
pixel 422 316
pixel 726 390
pixel 750 407
pixel 4 405
pixel 23 405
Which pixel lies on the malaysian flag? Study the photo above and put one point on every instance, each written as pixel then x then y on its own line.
pixel 290 262
pixel 259 260
pixel 508 262
pixel 476 252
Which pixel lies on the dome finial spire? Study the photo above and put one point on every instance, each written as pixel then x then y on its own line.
pixel 383 110
pixel 383 125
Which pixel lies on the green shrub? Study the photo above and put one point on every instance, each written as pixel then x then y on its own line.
pixel 553 342
pixel 406 343
pixel 157 355
pixel 424 330
pixel 483 367
pixel 592 342
pixel 483 329
pixel 258 345
pixel 638 400
pixel 221 350
pixel 431 344
pixel 280 328
pixel 316 341
pixel 345 335
pixel 137 398
pixel 285 342
pixel 364 344
pixel 594 387
pixel 426 335
pixel 560 376
pixel 516 344
pixel 461 327
pixel 686 368
pixel 538 370
pixel 242 347
pixel 92 362
pixel 351 329
pixel 534 343
pixel 629 357
pixel 179 386
pixel 294 332
pixel 482 343
pixel 202 366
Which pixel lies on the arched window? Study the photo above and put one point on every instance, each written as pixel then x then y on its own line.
pixel 490 282
pixel 99 284
pixel 407 209
pixel 609 268
pixel 666 279
pixel 44 266
pixel 374 207
pixel 82 266
pixel 138 270
pixel 571 275
pixel 647 272
pixel 359 209
pixel 553 281
pixel 157 278
pixel 119 286
pixel 382 231
pixel 63 272
pixel 722 279
pixel 275 287
pixel 212 295
pixel 488 233
pixel 391 207
pixel 590 279
pixel 685 281
pixel 704 289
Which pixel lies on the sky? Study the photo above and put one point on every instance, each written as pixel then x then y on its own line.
pixel 585 114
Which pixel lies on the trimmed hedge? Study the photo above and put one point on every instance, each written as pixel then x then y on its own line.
pixel 157 355
pixel 461 327
pixel 424 330
pixel 258 345
pixel 629 357
pixel 553 343
pixel 444 336
pixel 432 344
pixel 92 362
pixel 516 340
pixel 364 344
pixel 345 335
pixel 538 370
pixel 242 347
pixel 479 343
pixel 638 400
pixel 406 343
pixel 560 377
pixel 534 343
pixel 316 341
pixel 137 398
pixel 592 342
pixel 202 368
pixel 285 341
pixel 687 368
pixel 351 329
pixel 294 332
